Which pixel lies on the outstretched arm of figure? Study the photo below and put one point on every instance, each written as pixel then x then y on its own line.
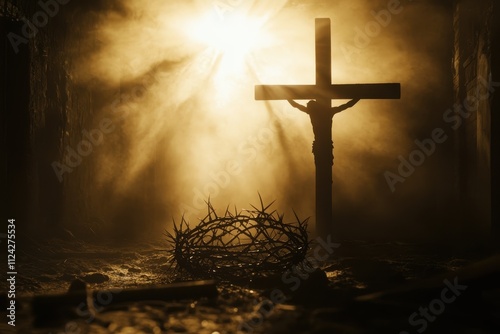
pixel 298 106
pixel 345 106
pixel 349 104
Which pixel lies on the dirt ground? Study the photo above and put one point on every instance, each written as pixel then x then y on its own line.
pixel 327 301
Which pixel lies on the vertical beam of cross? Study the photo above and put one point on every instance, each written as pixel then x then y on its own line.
pixel 323 57
pixel 324 179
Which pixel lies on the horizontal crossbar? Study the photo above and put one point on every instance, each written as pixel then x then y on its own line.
pixel 346 91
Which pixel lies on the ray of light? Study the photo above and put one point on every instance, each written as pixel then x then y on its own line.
pixel 205 67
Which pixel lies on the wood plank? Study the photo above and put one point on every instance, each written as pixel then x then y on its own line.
pixel 346 91
pixel 51 308
pixel 323 53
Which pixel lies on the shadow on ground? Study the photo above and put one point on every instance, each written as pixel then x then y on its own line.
pixel 363 288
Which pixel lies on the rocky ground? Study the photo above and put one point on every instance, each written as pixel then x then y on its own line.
pixel 424 290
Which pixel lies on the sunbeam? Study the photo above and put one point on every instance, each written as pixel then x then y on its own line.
pixel 197 111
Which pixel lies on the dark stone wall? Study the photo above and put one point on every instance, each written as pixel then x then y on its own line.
pixel 42 111
pixel 45 111
pixel 15 146
pixel 495 125
pixel 474 62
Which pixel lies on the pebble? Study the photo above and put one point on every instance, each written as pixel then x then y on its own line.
pixel 95 278
pixel 67 277
pixel 77 286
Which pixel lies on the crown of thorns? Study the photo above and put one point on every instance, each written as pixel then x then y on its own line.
pixel 239 244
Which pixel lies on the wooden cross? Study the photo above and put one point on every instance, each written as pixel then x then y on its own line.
pixel 323 92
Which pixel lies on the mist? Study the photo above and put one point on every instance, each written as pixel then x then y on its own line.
pixel 186 127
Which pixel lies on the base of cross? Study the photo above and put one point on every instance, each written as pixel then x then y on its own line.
pixel 323 159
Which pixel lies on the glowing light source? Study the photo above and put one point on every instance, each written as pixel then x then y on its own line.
pixel 236 35
pixel 229 46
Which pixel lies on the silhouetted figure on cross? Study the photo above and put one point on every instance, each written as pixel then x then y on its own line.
pixel 322 92
pixel 321 119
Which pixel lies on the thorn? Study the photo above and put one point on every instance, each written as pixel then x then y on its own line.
pixel 261 202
